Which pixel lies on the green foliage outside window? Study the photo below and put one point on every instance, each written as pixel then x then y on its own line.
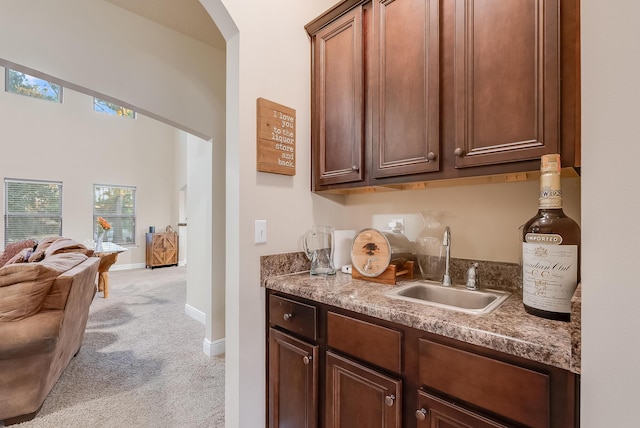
pixel 24 84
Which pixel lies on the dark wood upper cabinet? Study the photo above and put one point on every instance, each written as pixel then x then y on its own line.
pixel 409 91
pixel 405 87
pixel 338 102
pixel 507 80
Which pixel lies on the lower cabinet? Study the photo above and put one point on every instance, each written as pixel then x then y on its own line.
pixel 329 367
pixel 358 396
pixel 293 382
pixel 434 412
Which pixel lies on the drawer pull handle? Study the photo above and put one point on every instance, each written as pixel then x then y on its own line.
pixel 389 400
pixel 458 151
pixel 287 317
pixel 421 414
pixel 307 359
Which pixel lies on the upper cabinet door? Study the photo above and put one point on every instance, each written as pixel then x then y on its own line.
pixel 405 87
pixel 506 80
pixel 338 112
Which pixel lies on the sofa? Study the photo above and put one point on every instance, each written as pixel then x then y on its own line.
pixel 45 294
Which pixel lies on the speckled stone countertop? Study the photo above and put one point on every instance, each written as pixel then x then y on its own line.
pixel 508 329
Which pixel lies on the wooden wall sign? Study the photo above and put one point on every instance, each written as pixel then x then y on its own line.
pixel 276 138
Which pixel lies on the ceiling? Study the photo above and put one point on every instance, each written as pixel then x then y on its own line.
pixel 188 17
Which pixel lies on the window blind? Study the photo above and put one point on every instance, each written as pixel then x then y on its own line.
pixel 33 209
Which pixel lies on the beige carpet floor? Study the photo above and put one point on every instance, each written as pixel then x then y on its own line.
pixel 141 363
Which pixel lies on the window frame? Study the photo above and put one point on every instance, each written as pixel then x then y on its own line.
pixel 59 217
pixel 113 217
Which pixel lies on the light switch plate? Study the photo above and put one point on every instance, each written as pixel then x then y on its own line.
pixel 261 232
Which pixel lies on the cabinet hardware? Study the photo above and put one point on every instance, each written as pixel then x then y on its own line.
pixel 458 151
pixel 421 414
pixel 287 317
pixel 307 359
pixel 389 400
pixel 354 168
pixel 431 156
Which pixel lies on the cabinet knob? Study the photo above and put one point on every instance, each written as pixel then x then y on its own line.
pixel 431 156
pixel 389 400
pixel 421 414
pixel 355 168
pixel 287 317
pixel 458 151
pixel 307 359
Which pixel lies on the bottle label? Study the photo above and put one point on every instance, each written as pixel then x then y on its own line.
pixel 549 273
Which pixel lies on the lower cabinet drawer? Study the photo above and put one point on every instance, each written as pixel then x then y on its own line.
pixel 369 342
pixel 294 316
pixel 514 392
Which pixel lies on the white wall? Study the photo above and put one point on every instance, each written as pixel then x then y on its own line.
pixel 610 213
pixel 159 71
pixel 69 142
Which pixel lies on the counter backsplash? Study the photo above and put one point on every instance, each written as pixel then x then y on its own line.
pixel 499 275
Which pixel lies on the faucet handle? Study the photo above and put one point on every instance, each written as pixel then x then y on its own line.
pixel 473 277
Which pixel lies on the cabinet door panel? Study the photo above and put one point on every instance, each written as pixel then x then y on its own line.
pixel 360 397
pixel 443 414
pixel 293 382
pixel 338 101
pixel 406 97
pixel 507 70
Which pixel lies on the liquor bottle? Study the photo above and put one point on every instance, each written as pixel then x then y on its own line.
pixel 550 250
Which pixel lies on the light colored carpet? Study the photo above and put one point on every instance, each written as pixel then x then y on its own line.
pixel 141 363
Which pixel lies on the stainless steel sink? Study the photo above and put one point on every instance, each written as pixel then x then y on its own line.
pixel 457 298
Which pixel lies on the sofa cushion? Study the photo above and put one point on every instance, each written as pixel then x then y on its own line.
pixel 14 248
pixel 23 287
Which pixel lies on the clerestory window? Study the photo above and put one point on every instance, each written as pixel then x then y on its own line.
pixel 112 108
pixel 21 83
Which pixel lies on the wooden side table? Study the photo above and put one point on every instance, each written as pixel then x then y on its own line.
pixel 108 256
pixel 106 260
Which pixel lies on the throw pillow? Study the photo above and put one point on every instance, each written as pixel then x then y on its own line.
pixel 21 257
pixel 14 248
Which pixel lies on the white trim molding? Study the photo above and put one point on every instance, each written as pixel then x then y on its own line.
pixel 213 348
pixel 196 314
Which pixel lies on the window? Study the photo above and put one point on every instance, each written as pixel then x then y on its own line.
pixel 117 205
pixel 24 84
pixel 111 108
pixel 32 209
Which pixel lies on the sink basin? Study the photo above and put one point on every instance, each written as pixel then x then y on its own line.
pixel 458 298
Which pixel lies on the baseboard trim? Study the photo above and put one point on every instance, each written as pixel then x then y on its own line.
pixel 127 266
pixel 214 348
pixel 196 314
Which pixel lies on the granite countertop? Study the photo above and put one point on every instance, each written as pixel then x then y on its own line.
pixel 508 329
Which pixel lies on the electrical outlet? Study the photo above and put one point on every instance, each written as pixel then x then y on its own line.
pixel 261 232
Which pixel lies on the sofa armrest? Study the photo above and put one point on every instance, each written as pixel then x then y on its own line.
pixel 33 335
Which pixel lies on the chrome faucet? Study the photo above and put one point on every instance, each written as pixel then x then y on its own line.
pixel 446 242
